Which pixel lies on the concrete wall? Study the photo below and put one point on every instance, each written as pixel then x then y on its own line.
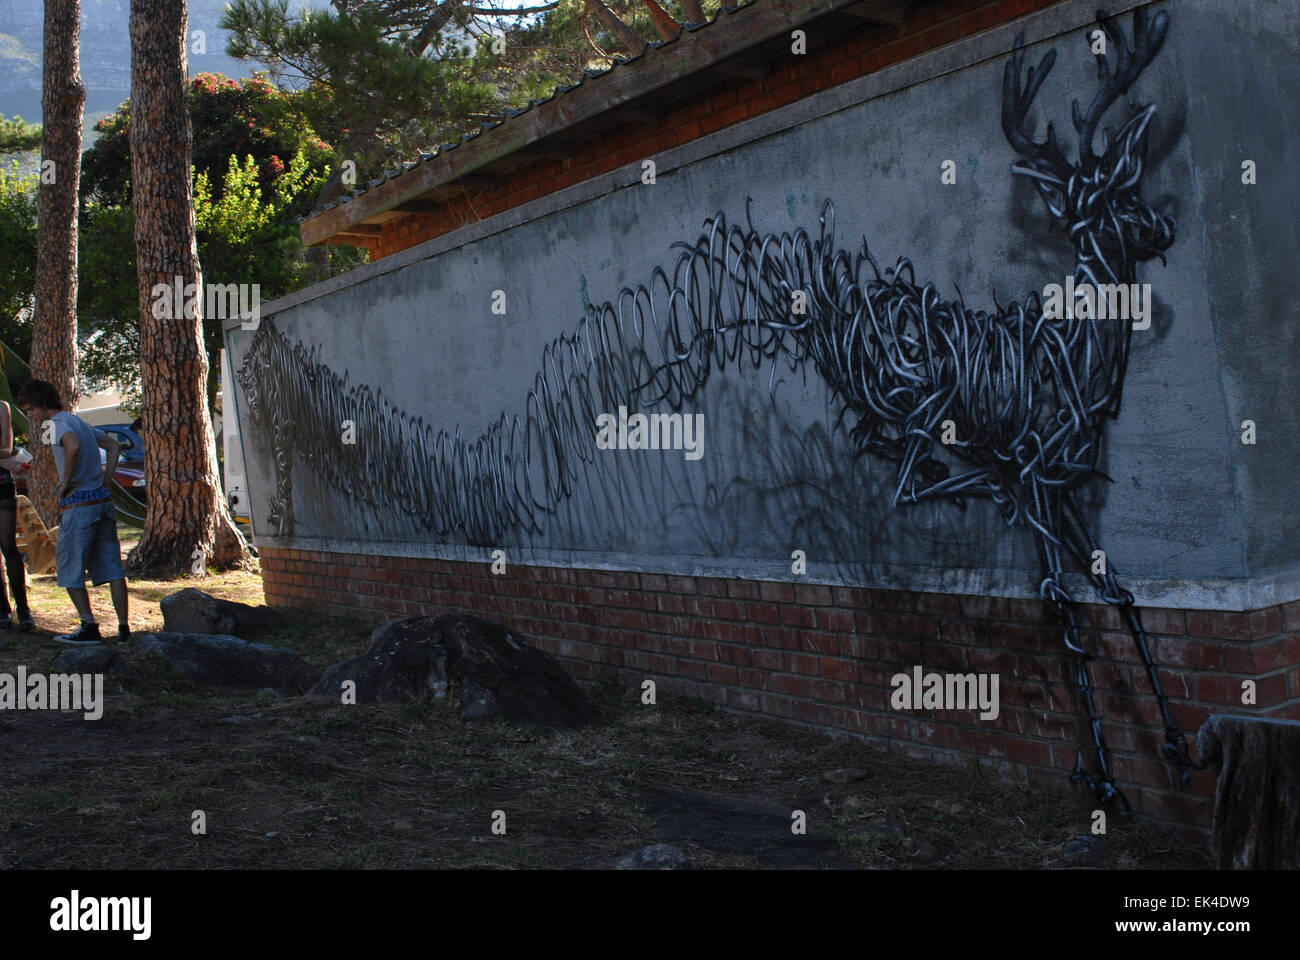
pixel 1193 518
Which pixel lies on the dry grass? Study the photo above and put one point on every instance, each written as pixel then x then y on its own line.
pixel 312 784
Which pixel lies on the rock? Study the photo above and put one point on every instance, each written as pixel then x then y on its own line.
pixel 193 611
pixel 96 659
pixel 497 673
pixel 492 671
pixel 1084 851
pixel 405 661
pixel 222 661
pixel 657 856
pixel 843 775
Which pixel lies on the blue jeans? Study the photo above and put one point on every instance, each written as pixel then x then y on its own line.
pixel 88 541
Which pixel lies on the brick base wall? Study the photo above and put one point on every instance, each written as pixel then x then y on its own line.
pixel 823 656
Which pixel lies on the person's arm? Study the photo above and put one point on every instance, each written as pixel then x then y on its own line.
pixel 71 448
pixel 113 449
pixel 6 432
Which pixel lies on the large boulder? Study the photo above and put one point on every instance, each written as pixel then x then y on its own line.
pixel 226 662
pixel 193 611
pixel 404 662
pixel 491 671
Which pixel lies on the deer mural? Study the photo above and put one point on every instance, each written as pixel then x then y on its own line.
pixel 1024 392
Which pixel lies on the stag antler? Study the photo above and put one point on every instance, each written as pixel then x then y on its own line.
pixel 1015 105
pixel 1147 39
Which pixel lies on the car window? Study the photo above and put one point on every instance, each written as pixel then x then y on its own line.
pixel 124 441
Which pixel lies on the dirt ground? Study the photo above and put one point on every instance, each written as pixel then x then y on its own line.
pixel 310 784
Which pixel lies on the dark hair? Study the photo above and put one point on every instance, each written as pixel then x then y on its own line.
pixel 39 393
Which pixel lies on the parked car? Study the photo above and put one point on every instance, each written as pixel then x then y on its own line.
pixel 131 443
pixel 129 473
pixel 132 479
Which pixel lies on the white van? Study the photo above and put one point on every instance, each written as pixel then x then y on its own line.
pixel 227 428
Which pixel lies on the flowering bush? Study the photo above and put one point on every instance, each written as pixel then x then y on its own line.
pixel 229 118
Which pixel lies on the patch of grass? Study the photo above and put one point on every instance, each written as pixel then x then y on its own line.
pixel 687 750
pixel 500 853
pixel 174 798
pixel 318 640
pixel 372 856
pixel 56 802
pixel 171 699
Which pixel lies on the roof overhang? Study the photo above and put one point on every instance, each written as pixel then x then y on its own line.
pixel 739 43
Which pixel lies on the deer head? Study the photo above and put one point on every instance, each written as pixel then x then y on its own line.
pixel 1097 199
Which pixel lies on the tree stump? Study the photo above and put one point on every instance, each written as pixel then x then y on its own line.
pixel 1257 795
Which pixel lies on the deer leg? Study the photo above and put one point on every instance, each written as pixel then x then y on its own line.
pixel 1103 787
pixel 1175 747
pixel 1047 509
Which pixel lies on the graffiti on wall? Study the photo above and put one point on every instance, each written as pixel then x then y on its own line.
pixel 1007 405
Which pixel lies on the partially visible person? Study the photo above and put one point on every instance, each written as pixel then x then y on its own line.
pixel 88 525
pixel 13 560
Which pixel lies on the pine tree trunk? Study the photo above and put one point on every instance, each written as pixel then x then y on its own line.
pixel 187 522
pixel 665 26
pixel 694 11
pixel 628 40
pixel 54 321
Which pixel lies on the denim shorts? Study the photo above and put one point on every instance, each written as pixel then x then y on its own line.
pixel 88 541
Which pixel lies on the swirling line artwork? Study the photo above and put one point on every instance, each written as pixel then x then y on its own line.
pixel 1007 405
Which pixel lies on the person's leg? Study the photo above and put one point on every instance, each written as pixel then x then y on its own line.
pixel 72 553
pixel 13 560
pixel 105 565
pixel 8 547
pixel 81 600
pixel 117 589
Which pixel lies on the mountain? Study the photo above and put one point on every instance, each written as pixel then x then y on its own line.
pixel 105 53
